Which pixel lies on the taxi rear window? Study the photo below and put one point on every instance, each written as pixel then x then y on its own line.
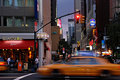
pixel 82 61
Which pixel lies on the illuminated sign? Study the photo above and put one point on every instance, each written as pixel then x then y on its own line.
pixel 12 38
pixel 59 23
pixel 103 43
pixel 92 22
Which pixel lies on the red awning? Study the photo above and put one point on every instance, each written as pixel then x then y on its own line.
pixel 23 44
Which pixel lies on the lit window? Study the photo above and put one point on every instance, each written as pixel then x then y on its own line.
pixel 29 22
pixel 19 21
pixel 19 3
pixel 7 2
pixel 29 3
pixel 8 21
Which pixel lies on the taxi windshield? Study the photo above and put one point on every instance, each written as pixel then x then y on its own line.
pixel 82 61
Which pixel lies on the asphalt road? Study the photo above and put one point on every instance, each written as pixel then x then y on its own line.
pixel 35 76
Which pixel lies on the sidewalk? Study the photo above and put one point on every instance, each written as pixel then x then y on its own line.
pixel 15 70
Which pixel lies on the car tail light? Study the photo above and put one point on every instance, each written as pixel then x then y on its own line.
pixel 2 63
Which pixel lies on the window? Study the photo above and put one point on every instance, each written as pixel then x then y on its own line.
pixel 19 3
pixel 0 21
pixel 82 61
pixel 0 3
pixel 19 21
pixel 7 2
pixel 29 3
pixel 29 22
pixel 8 21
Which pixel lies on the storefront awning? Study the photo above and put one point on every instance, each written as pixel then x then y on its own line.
pixel 22 44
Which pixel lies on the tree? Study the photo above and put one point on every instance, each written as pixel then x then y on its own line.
pixel 64 44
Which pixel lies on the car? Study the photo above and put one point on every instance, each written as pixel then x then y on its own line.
pixel 3 65
pixel 82 66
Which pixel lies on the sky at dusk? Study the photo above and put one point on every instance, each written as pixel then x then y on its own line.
pixel 65 7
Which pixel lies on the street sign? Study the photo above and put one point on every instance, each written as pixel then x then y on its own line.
pixel 106 37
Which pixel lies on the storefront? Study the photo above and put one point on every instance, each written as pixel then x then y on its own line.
pixel 17 50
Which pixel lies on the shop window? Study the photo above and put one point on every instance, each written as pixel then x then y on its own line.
pixel 19 22
pixel 7 2
pixel 29 22
pixel 19 3
pixel 29 3
pixel 8 21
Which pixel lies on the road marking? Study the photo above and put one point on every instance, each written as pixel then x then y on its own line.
pixel 18 78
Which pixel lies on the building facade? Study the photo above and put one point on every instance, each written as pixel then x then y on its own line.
pixel 91 15
pixel 16 28
pixel 80 28
pixel 17 19
pixel 71 31
pixel 102 19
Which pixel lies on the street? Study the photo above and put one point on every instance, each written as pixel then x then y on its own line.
pixel 35 76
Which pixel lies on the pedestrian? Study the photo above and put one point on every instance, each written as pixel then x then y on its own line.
pixel 44 61
pixel 36 63
pixel 8 61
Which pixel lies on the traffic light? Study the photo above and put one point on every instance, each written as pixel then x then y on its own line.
pixel 30 54
pixel 78 45
pixel 77 17
pixel 82 19
pixel 30 48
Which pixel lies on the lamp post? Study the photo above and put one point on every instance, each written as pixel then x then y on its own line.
pixel 40 41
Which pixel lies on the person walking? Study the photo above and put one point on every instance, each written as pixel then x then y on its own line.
pixel 8 61
pixel 36 63
pixel 44 61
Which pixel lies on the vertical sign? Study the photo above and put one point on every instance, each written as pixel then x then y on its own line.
pixel 35 9
pixel 103 43
pixel 35 26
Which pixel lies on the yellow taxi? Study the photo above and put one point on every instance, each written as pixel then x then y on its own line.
pixel 82 66
pixel 3 65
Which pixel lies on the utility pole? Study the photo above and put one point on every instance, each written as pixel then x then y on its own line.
pixel 40 42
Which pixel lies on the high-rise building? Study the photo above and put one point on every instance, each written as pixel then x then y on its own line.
pixel 80 28
pixel 53 12
pixel 91 21
pixel 71 31
pixel 102 18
